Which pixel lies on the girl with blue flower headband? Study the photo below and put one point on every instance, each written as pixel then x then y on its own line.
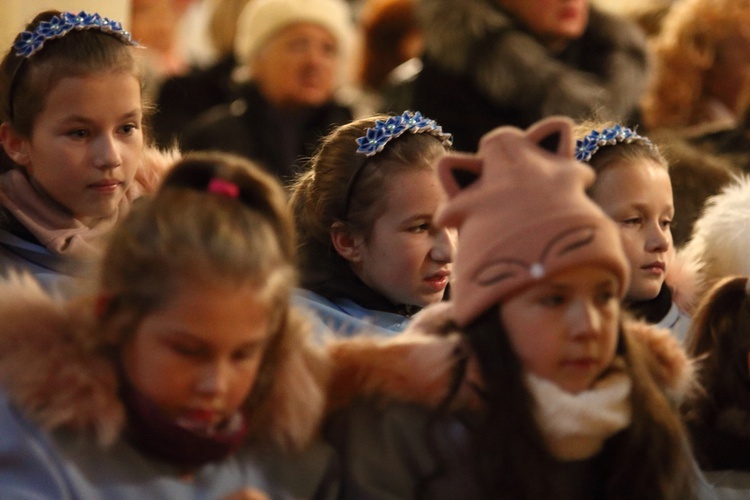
pixel 634 188
pixel 371 256
pixel 72 130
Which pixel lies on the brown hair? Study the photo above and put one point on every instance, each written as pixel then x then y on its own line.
pixel 322 195
pixel 513 456
pixel 719 339
pixel 25 82
pixel 685 49
pixel 186 231
pixel 385 25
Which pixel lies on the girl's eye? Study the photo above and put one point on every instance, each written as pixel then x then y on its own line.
pixel 78 133
pixel 187 351
pixel 604 297
pixel 552 300
pixel 246 353
pixel 632 221
pixel 420 228
pixel 667 223
pixel 128 129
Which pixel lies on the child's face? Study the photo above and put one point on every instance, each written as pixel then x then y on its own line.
pixel 86 144
pixel 407 259
pixel 198 356
pixel 638 197
pixel 564 329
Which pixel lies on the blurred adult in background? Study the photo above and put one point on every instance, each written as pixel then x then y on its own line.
pixel 389 37
pixel 156 24
pixel 293 52
pixel 182 98
pixel 701 73
pixel 488 63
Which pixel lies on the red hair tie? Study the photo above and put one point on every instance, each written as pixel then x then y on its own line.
pixel 222 187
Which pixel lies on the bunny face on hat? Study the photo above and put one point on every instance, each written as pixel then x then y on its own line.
pixel 522 214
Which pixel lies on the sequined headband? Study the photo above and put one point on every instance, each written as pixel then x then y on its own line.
pixel 376 138
pixel 29 43
pixel 589 145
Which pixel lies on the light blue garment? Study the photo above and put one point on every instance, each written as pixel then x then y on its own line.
pixel 56 274
pixel 65 465
pixel 677 322
pixel 346 318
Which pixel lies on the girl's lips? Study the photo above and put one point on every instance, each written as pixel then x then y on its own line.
pixel 657 268
pixel 106 186
pixel 438 281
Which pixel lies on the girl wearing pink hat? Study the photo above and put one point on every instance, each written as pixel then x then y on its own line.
pixel 552 392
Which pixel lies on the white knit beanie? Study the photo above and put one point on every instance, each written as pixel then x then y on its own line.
pixel 260 19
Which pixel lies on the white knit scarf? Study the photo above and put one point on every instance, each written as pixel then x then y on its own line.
pixel 575 426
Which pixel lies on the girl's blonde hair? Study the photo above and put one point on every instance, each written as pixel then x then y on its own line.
pixel 685 49
pixel 189 231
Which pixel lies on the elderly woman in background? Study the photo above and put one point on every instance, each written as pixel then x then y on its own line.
pixel 293 53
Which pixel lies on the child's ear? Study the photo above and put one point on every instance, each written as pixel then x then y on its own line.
pixel 15 146
pixel 346 244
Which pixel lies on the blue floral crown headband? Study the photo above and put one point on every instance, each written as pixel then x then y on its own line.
pixel 589 145
pixel 376 138
pixel 29 43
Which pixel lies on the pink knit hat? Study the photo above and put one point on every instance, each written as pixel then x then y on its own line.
pixel 522 214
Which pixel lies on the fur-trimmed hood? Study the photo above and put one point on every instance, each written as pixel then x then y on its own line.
pixel 513 69
pixel 52 370
pixel 721 236
pixel 419 365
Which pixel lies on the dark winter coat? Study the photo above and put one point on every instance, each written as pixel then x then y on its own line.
pixel 252 127
pixel 482 69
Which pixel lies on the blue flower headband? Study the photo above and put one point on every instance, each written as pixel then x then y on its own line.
pixel 586 147
pixel 376 138
pixel 29 43
pixel 383 132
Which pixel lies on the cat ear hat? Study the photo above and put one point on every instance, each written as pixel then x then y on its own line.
pixel 522 214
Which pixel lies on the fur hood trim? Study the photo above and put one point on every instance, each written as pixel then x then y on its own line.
pixel 682 280
pixel 154 166
pixel 721 236
pixel 511 67
pixel 419 365
pixel 51 370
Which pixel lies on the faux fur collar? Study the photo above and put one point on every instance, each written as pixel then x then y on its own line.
pixel 512 68
pixel 51 371
pixel 419 365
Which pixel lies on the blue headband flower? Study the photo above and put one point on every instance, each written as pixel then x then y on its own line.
pixel 377 137
pixel 586 147
pixel 28 43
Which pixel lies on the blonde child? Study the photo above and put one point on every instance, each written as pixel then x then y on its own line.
pixel 71 113
pixel 633 187
pixel 553 395
pixel 187 374
pixel 371 255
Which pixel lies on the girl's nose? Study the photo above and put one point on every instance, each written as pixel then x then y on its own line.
pixel 659 239
pixel 584 320
pixel 444 245
pixel 213 380
pixel 106 153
